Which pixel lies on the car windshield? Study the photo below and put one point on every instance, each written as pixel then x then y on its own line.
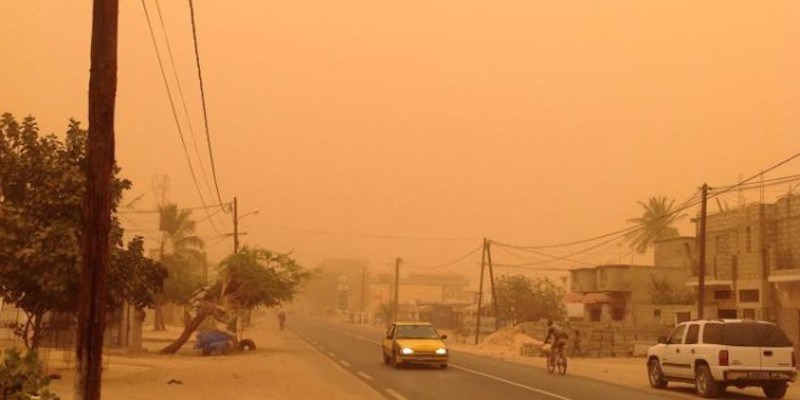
pixel 416 332
pixel 748 334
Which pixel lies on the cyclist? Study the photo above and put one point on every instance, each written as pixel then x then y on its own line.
pixel 559 336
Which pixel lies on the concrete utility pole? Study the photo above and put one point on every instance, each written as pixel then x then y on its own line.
pixel 97 200
pixel 701 274
pixel 396 287
pixel 480 293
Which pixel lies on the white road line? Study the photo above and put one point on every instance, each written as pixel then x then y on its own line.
pixel 519 385
pixel 396 395
pixel 330 353
pixel 321 348
pixel 485 375
pixel 345 363
pixel 314 342
pixel 364 375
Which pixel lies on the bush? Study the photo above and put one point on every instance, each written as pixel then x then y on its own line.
pixel 23 378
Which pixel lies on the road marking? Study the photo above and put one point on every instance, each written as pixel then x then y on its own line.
pixel 330 353
pixel 364 375
pixel 512 383
pixel 314 342
pixel 345 363
pixel 396 395
pixel 321 348
pixel 485 375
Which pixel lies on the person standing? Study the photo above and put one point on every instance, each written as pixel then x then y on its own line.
pixel 576 345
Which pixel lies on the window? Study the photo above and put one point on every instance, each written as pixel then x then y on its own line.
pixel 692 334
pixel 748 313
pixel 677 335
pixel 729 313
pixel 748 296
pixel 749 334
pixel 682 316
pixel 656 313
pixel 595 314
pixel 618 314
pixel 722 295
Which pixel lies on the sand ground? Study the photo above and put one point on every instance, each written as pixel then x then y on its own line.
pixel 285 367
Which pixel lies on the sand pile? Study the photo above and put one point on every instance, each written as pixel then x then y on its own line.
pixel 509 341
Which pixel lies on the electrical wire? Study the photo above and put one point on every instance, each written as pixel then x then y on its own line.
pixel 203 99
pixel 449 263
pixel 182 97
pixel 174 112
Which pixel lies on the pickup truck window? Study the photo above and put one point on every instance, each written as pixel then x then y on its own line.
pixel 746 334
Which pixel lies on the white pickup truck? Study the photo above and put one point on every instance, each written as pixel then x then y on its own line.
pixel 713 354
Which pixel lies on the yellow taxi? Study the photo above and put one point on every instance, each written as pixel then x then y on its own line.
pixel 414 343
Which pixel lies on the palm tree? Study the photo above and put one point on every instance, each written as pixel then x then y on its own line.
pixel 655 223
pixel 184 259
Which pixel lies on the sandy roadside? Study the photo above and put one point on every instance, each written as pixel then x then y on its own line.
pixel 282 367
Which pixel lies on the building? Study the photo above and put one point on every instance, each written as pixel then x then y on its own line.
pixel 620 292
pixel 338 287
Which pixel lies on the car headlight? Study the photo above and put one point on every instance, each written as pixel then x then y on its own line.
pixel 441 351
pixel 407 350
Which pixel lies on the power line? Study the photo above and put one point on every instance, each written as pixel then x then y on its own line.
pixel 373 236
pixel 182 97
pixel 449 263
pixel 203 99
pixel 172 107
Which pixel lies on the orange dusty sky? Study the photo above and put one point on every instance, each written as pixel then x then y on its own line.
pixel 376 129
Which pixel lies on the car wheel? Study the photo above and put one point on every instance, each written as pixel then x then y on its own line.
pixel 656 377
pixel 394 361
pixel 704 382
pixel 775 390
pixel 385 358
pixel 443 366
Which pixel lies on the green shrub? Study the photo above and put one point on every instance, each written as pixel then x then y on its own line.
pixel 23 378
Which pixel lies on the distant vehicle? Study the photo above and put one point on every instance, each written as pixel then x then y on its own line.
pixel 414 343
pixel 715 354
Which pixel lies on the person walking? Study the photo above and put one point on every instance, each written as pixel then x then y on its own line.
pixel 281 318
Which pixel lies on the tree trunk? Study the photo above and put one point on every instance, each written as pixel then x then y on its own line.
pixel 186 334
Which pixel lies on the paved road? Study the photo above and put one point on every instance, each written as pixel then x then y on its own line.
pixel 357 350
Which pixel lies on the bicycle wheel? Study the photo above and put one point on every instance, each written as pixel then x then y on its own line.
pixel 551 363
pixel 562 365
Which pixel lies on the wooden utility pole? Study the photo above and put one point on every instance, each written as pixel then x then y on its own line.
pixel 701 273
pixel 491 281
pixel 235 226
pixel 97 201
pixel 396 287
pixel 480 294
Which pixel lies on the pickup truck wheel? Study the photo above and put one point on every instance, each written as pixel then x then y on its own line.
pixel 775 390
pixel 657 379
pixel 385 358
pixel 704 382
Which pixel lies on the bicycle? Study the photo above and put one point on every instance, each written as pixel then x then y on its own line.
pixel 556 362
